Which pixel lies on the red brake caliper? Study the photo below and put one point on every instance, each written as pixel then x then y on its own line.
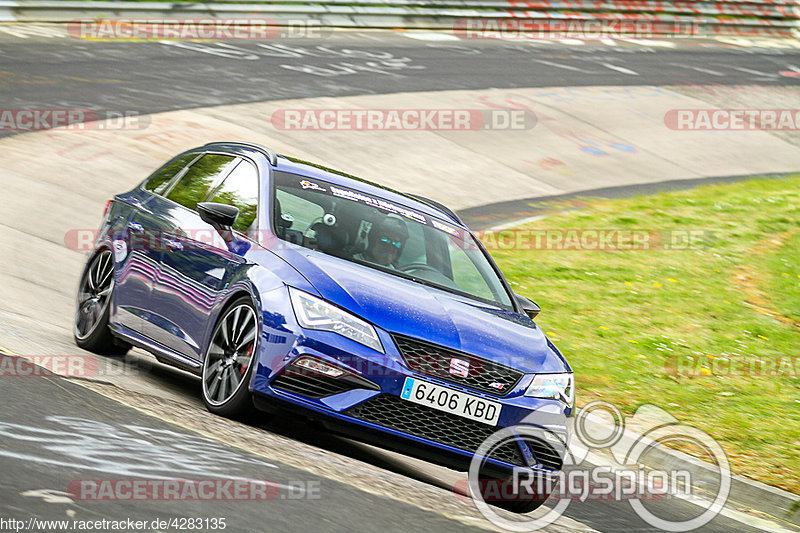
pixel 243 369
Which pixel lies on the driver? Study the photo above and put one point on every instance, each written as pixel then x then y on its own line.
pixel 386 241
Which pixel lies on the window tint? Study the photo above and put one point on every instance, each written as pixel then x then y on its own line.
pixel 240 189
pixel 414 249
pixel 385 235
pixel 194 185
pixel 295 212
pixel 158 180
pixel 467 273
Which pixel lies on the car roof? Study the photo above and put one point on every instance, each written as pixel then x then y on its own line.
pixel 308 169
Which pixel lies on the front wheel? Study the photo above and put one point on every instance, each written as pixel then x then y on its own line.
pixel 229 359
pixel 93 308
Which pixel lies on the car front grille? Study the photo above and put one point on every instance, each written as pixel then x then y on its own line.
pixel 545 454
pixel 432 360
pixel 392 412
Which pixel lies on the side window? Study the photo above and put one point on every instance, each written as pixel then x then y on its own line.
pixel 194 185
pixel 240 189
pixel 158 180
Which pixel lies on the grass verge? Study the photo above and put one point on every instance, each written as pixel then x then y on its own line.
pixel 668 323
pixel 783 284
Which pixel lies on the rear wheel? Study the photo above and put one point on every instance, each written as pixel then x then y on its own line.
pixel 229 359
pixel 91 330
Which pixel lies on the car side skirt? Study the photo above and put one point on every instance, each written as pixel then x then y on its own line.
pixel 163 354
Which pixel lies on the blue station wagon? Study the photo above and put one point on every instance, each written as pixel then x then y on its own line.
pixel 288 286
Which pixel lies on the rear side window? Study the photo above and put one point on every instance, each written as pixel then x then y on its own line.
pixel 194 185
pixel 240 189
pixel 158 180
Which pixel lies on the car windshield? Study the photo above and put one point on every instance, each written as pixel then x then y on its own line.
pixel 383 235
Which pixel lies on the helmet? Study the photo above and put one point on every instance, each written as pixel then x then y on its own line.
pixel 392 230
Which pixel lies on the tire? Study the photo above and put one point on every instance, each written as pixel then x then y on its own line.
pixel 95 291
pixel 228 363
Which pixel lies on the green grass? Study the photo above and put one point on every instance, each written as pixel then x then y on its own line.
pixel 622 317
pixel 784 277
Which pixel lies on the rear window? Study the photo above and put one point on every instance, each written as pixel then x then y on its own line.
pixel 159 180
pixel 195 184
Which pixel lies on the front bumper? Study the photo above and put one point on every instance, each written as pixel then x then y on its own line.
pixel 364 402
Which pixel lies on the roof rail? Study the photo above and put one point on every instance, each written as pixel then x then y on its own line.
pixel 271 155
pixel 433 203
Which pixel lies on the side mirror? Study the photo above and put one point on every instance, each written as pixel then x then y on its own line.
pixel 221 216
pixel 528 307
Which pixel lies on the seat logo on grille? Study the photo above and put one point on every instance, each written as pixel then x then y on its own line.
pixel 459 367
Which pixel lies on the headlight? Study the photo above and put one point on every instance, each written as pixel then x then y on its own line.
pixel 315 313
pixel 553 386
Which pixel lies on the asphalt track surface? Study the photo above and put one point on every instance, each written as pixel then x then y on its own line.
pixel 58 443
pixel 66 434
pixel 59 72
pixel 148 77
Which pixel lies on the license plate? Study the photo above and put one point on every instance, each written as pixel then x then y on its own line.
pixel 451 401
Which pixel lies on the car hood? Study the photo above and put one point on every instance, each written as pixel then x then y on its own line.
pixel 401 306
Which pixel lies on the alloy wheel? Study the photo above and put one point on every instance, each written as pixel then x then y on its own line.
pixel 94 294
pixel 230 354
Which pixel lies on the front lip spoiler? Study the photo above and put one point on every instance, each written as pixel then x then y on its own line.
pixel 387 438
